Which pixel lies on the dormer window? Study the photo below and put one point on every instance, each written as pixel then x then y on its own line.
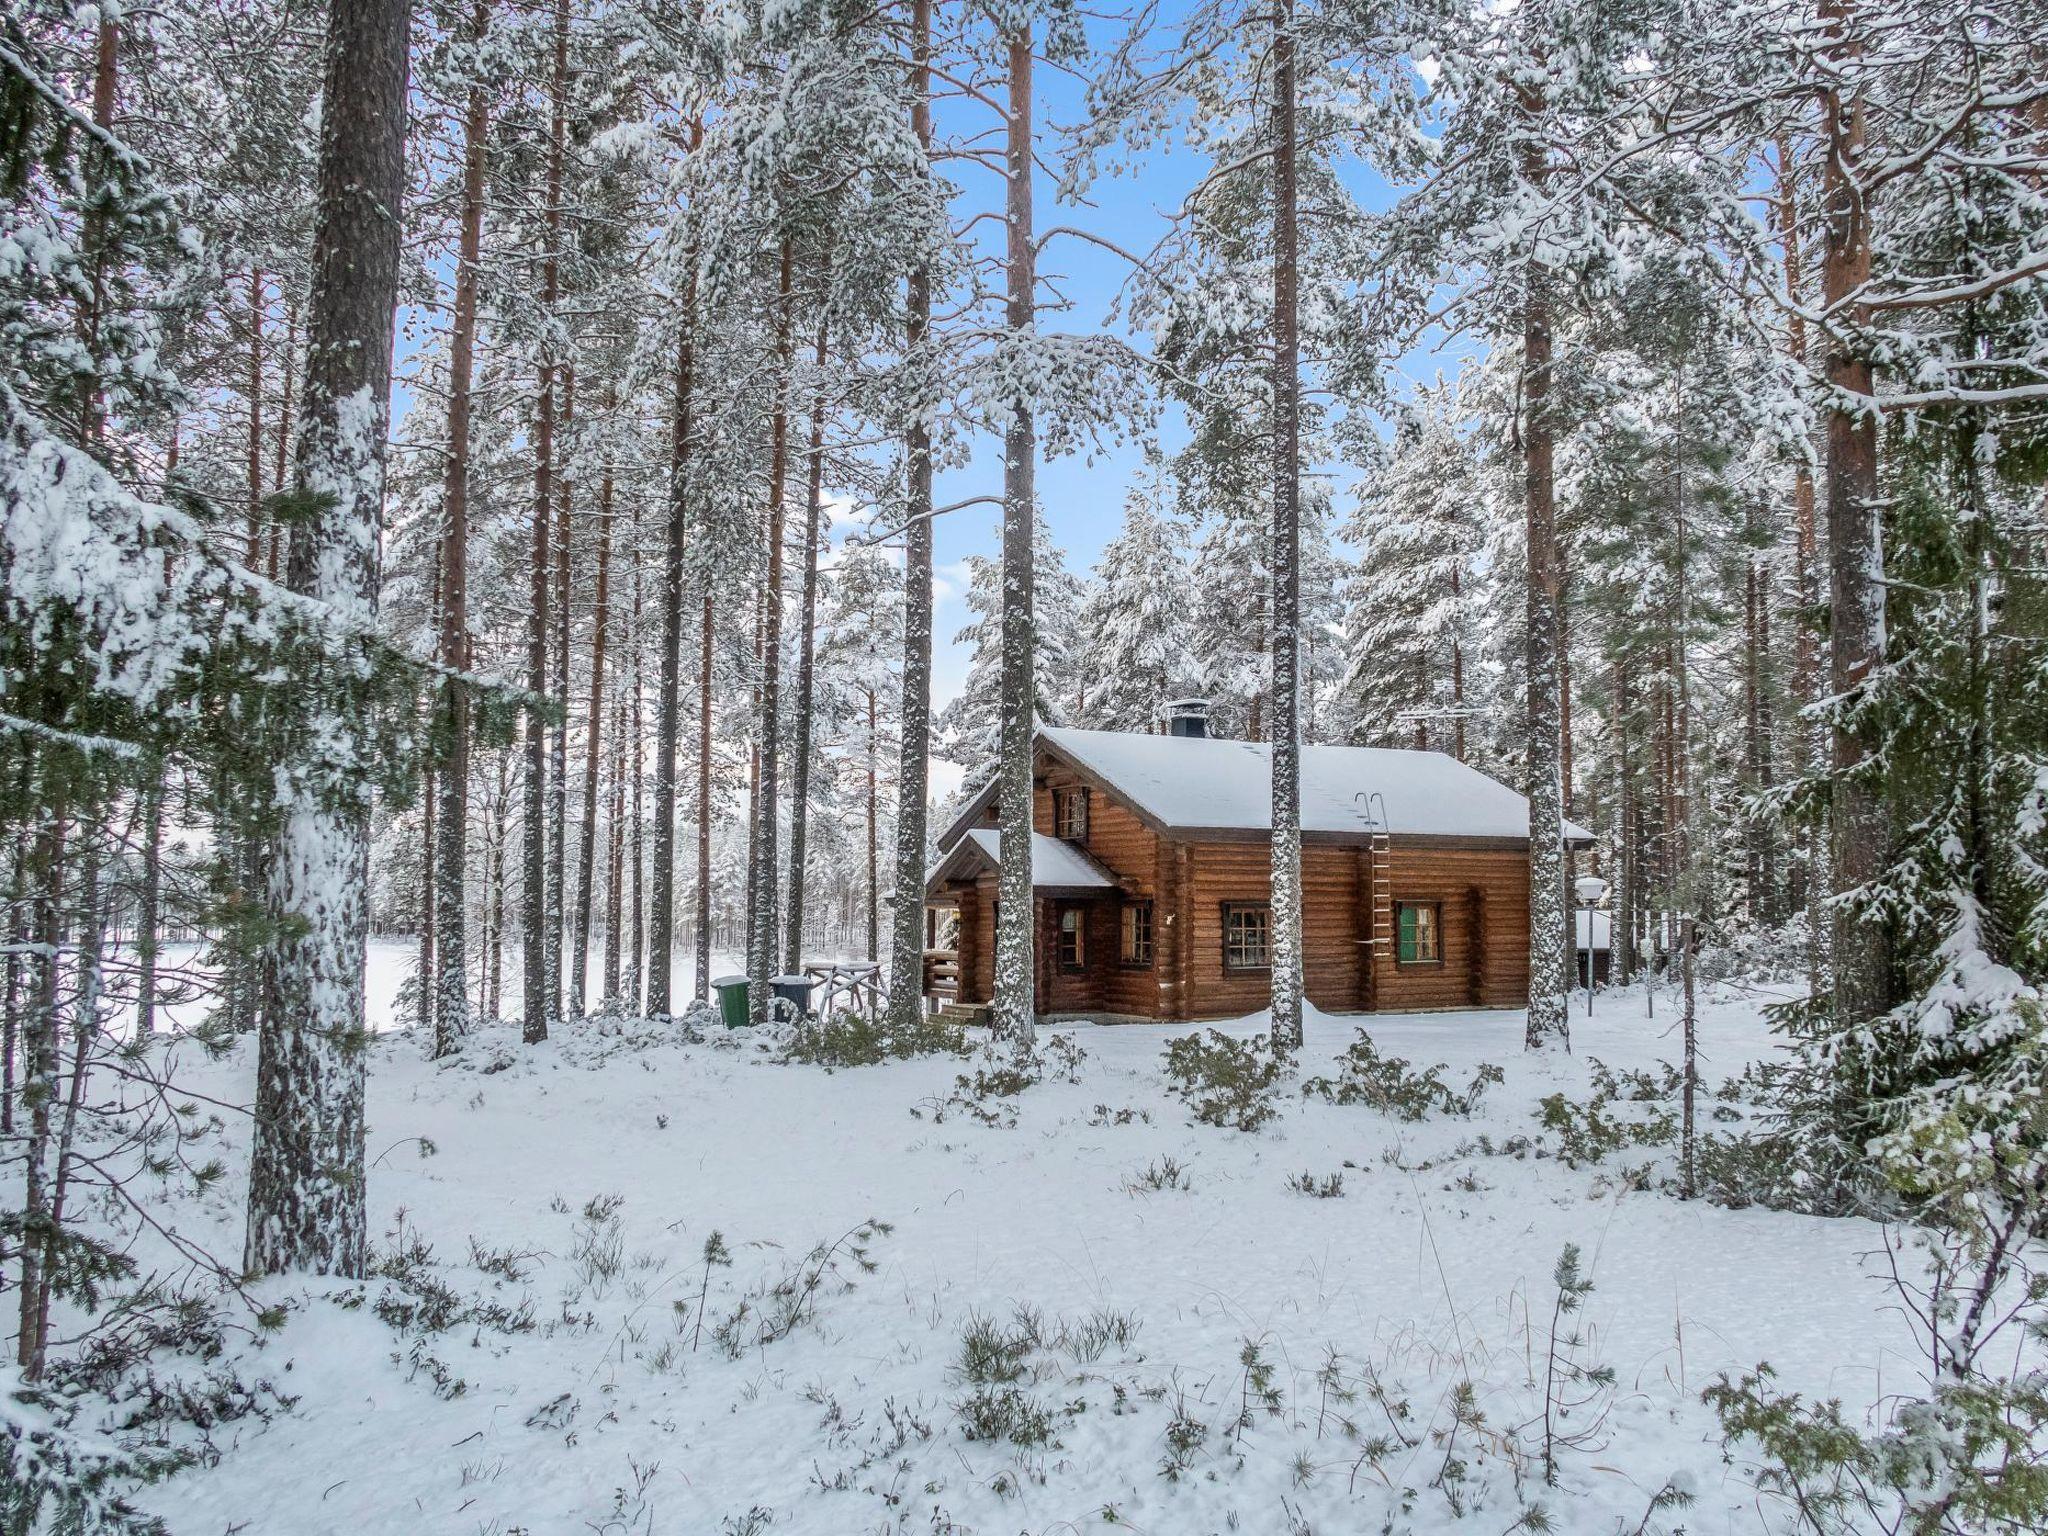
pixel 1070 814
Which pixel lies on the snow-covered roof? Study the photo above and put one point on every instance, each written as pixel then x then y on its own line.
pixel 1209 784
pixel 1055 865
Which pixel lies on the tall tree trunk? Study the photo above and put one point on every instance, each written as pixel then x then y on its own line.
pixel 1564 685
pixel 668 724
pixel 906 921
pixel 45 880
pixel 706 639
pixel 1286 612
pixel 874 892
pixel 615 862
pixel 1861 941
pixel 1813 739
pixel 252 555
pixel 761 862
pixel 540 984
pixel 1627 868
pixel 1457 675
pixel 1687 881
pixel 149 904
pixel 807 634
pixel 451 1017
pixel 429 801
pixel 306 1176
pixel 637 843
pixel 558 735
pixel 1016 1005
pixel 586 845
pixel 1549 934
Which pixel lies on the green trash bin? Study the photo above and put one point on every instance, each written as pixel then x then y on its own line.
pixel 732 1000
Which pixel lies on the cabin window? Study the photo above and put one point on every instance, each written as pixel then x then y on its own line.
pixel 1418 929
pixel 1070 814
pixel 1247 936
pixel 1073 952
pixel 1137 935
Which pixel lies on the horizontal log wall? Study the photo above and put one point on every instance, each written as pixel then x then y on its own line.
pixel 1482 894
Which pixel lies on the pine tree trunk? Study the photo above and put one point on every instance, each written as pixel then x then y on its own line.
pixel 1564 687
pixel 586 845
pixel 451 1018
pixel 1814 747
pixel 1457 676
pixel 1549 933
pixel 252 555
pixel 631 987
pixel 906 938
pixel 800 767
pixel 494 879
pixel 1286 610
pixel 1014 1013
pixel 1861 942
pixel 1627 868
pixel 429 801
pixel 706 639
pixel 761 861
pixel 45 880
pixel 541 949
pixel 874 843
pixel 615 862
pixel 1687 881
pixel 675 551
pixel 1755 750
pixel 306 1177
pixel 149 906
pixel 558 733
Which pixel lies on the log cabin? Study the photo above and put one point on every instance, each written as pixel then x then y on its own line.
pixel 1151 873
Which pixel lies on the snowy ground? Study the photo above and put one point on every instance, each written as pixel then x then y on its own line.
pixel 1433 1267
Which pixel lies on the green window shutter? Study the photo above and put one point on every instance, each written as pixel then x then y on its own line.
pixel 1407 950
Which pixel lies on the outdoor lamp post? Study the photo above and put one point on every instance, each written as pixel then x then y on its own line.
pixel 1591 889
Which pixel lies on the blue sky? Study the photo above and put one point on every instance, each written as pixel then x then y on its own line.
pixel 1082 497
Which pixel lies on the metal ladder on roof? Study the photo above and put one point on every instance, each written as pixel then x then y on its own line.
pixel 1379 859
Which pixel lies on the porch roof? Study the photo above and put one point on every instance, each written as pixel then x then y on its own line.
pixel 1057 867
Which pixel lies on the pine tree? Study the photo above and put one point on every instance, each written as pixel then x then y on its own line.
pixel 1135 641
pixel 1414 609
pixel 306 1203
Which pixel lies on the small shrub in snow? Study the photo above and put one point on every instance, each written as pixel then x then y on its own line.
pixel 989 1093
pixel 1185 1436
pixel 1258 1390
pixel 1587 1134
pixel 855 1040
pixel 163 1369
pixel 1089 1339
pixel 994 1364
pixel 773 1311
pixel 1064 1055
pixel 1971 1458
pixel 53 1477
pixel 1105 1116
pixel 1225 1082
pixel 1577 1392
pixel 1388 1084
pixel 1329 1187
pixel 415 1300
pixel 597 1249
pixel 1162 1172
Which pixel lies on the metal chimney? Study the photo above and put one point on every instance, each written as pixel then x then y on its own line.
pixel 1187 717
